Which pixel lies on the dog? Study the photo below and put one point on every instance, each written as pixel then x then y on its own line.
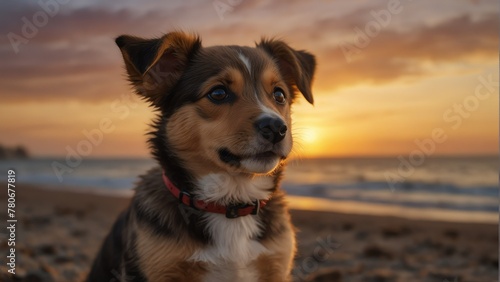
pixel 212 210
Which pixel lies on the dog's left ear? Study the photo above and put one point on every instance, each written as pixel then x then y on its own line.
pixel 297 67
pixel 155 65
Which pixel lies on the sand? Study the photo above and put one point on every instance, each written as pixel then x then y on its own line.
pixel 58 234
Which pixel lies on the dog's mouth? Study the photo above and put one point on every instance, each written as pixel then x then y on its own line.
pixel 232 159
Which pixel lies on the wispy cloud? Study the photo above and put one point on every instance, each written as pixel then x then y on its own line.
pixel 392 55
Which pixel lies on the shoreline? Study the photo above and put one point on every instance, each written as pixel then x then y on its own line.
pixel 59 233
pixel 316 204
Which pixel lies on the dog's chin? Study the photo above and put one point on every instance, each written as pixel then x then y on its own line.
pixel 260 163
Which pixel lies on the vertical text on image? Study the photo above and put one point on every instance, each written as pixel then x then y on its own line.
pixel 11 220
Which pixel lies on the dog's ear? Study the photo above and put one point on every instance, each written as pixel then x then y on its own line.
pixel 155 65
pixel 297 67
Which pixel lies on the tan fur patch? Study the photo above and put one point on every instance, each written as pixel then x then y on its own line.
pixel 277 266
pixel 165 260
pixel 271 78
pixel 230 77
pixel 270 268
pixel 184 134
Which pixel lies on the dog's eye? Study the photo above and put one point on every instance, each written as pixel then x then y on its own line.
pixel 279 96
pixel 218 94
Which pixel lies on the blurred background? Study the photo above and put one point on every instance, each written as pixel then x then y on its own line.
pixel 406 93
pixel 405 120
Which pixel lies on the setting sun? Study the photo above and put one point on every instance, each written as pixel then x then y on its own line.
pixel 308 135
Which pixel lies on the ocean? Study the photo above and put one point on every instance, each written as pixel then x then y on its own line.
pixel 441 188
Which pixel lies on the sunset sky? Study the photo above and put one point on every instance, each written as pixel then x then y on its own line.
pixel 389 72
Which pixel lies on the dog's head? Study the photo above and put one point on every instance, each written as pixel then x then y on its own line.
pixel 223 108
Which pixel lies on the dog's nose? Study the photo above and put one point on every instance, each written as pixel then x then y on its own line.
pixel 272 129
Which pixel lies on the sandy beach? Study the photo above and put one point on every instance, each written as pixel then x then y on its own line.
pixel 58 233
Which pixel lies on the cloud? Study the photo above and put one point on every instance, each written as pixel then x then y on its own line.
pixel 77 25
pixel 391 55
pixel 74 57
pixel 369 116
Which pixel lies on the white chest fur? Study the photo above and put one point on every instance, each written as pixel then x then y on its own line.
pixel 224 188
pixel 233 248
pixel 233 240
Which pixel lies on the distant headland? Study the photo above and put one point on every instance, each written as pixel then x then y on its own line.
pixel 16 152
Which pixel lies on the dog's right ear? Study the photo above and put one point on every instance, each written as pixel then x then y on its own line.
pixel 155 65
pixel 297 67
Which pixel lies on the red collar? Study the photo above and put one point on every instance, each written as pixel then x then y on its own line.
pixel 232 211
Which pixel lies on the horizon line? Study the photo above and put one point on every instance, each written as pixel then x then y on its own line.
pixel 294 158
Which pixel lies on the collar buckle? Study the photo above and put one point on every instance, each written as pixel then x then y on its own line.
pixel 183 194
pixel 256 208
pixel 232 210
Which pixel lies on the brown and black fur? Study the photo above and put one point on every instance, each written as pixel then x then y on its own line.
pixel 154 238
